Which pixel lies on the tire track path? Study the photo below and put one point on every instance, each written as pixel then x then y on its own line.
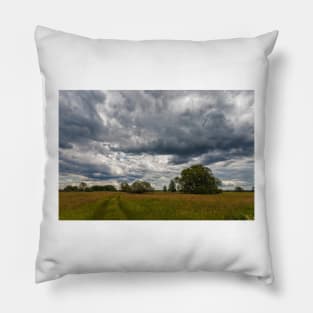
pixel 109 209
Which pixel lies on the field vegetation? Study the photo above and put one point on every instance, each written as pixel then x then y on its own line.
pixel 194 195
pixel 105 205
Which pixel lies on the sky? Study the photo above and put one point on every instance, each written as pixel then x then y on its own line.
pixel 106 137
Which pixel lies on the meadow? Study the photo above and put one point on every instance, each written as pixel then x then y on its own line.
pixel 105 205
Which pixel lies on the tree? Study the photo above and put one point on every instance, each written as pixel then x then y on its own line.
pixel 198 179
pixel 140 187
pixel 82 186
pixel 125 187
pixel 172 186
pixel 68 188
pixel 109 188
pixel 102 188
pixel 164 188
pixel 239 189
pixel 71 188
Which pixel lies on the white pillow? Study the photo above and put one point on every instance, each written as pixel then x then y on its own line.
pixel 219 85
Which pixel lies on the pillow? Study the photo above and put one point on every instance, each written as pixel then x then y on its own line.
pixel 155 155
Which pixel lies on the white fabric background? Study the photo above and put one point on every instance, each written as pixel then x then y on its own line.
pixel 289 154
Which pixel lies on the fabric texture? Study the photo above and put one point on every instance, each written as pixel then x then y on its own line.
pixel 71 62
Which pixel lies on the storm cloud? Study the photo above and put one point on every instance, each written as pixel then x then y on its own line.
pixel 110 136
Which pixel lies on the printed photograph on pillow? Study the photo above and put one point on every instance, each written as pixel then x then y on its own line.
pixel 156 155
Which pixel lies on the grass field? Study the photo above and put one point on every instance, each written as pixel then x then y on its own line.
pixel 155 206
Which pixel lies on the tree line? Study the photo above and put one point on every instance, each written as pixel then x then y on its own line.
pixel 196 179
pixel 84 187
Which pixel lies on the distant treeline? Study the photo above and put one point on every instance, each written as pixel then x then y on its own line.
pixel 136 187
pixel 239 189
pixel 196 179
pixel 83 187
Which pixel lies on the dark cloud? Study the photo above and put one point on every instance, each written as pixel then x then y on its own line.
pixel 95 171
pixel 100 129
pixel 79 120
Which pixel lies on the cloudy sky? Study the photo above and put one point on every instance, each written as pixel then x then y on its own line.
pixel 106 137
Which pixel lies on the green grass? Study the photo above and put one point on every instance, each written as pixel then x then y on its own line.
pixel 155 206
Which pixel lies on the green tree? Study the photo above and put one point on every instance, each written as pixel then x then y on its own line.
pixel 71 188
pixel 102 188
pixel 68 188
pixel 198 179
pixel 239 189
pixel 164 188
pixel 109 188
pixel 140 187
pixel 172 186
pixel 82 186
pixel 124 187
